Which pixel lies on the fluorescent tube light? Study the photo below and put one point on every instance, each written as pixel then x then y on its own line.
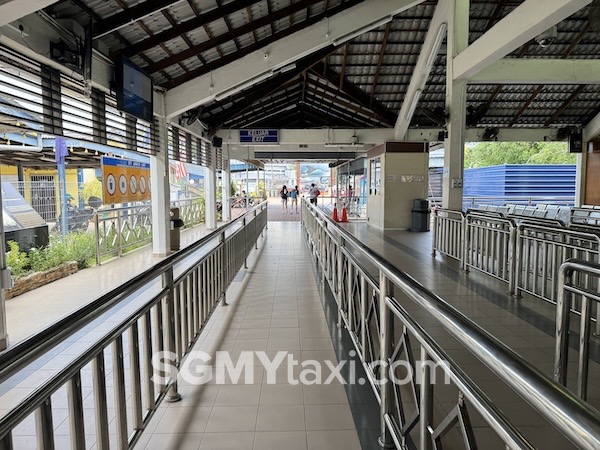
pixel 240 87
pixel 413 104
pixel 342 39
pixel 284 69
pixel 342 145
pixel 436 46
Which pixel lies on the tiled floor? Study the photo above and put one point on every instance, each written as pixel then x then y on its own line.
pixel 278 310
pixel 34 310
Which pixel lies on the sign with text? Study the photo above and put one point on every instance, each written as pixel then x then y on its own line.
pixel 259 136
pixel 124 180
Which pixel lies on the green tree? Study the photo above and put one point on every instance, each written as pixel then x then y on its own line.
pixel 91 188
pixel 483 154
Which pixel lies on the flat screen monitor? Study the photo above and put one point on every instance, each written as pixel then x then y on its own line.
pixel 134 90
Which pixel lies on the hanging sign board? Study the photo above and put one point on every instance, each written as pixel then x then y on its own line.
pixel 124 180
pixel 259 136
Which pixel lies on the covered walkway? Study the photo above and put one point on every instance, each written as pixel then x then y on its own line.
pixel 276 308
pixel 280 311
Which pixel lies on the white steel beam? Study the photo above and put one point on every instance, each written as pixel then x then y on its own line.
pixel 429 51
pixel 592 129
pixel 261 64
pixel 540 71
pixel 289 139
pixel 524 23
pixel 11 10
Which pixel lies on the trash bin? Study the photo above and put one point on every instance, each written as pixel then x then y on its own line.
pixel 420 215
pixel 176 224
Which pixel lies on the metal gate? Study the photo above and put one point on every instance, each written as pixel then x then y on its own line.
pixel 43 196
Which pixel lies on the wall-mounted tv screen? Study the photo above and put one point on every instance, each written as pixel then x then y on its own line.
pixel 133 89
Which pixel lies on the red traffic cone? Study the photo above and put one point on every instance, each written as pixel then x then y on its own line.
pixel 344 215
pixel 335 214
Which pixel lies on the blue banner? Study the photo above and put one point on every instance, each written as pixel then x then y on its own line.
pixel 119 162
pixel 259 136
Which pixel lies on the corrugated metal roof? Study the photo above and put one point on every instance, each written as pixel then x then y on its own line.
pixel 372 104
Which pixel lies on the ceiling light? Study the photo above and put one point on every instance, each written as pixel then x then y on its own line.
pixel 436 46
pixel 244 85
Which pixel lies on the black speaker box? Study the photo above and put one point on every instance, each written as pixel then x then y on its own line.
pixel 217 141
pixel 576 142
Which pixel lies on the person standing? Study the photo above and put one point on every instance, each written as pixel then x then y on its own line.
pixel 313 193
pixel 283 193
pixel 294 196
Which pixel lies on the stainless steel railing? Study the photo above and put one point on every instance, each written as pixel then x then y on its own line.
pixel 172 302
pixel 119 230
pixel 448 233
pixel 540 251
pixel 489 244
pixel 523 251
pixel 372 309
pixel 578 281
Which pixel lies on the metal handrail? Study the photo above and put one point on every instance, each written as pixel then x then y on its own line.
pixel 575 419
pixel 172 318
pixel 567 287
pixel 551 246
pixel 489 245
pixel 448 233
pixel 27 350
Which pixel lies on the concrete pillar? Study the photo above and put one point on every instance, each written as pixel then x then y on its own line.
pixel 225 188
pixel 456 102
pixel 210 197
pixel 159 182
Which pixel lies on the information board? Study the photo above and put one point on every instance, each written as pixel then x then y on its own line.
pixel 259 136
pixel 124 180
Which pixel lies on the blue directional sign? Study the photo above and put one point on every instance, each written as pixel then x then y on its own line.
pixel 259 136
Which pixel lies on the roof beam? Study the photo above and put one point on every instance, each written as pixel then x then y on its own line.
pixel 523 108
pixel 133 14
pixel 230 35
pixel 592 129
pixel 540 71
pixel 386 33
pixel 345 104
pixel 356 94
pixel 234 56
pixel 565 105
pixel 11 10
pixel 274 101
pixel 281 53
pixel 218 120
pixel 524 23
pixel 268 88
pixel 422 69
pixel 217 13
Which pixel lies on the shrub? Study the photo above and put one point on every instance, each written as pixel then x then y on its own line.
pixel 80 247
pixel 76 246
pixel 17 260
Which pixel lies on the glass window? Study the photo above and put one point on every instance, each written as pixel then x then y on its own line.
pixel 375 176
